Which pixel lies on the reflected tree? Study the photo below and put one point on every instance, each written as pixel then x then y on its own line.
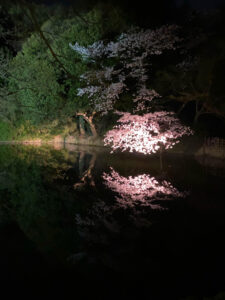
pixel 135 203
pixel 85 175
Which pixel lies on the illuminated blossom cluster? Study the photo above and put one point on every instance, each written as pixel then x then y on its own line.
pixel 147 133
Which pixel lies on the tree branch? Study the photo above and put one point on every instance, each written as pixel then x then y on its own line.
pixel 38 29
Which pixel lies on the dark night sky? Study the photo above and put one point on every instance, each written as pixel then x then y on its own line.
pixel 201 4
pixel 196 4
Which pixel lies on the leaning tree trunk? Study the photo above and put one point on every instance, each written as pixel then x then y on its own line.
pixel 81 126
pixel 197 112
pixel 181 108
pixel 89 120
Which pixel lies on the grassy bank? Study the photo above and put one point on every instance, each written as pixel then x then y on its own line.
pixel 68 133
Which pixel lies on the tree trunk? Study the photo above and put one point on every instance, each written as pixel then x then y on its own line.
pixel 89 120
pixel 197 112
pixel 81 126
pixel 93 129
pixel 160 159
pixel 181 108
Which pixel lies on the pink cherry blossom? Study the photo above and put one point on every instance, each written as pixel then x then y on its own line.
pixel 147 133
pixel 134 50
pixel 143 189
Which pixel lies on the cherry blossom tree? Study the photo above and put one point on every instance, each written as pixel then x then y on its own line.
pixel 129 73
pixel 131 54
pixel 127 58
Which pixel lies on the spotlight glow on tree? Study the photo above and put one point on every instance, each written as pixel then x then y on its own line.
pixel 147 133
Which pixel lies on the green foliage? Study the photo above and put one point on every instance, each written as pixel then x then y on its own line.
pixel 6 131
pixel 22 25
pixel 44 90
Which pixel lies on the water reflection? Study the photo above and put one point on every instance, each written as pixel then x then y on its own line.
pixel 142 190
pixel 78 205
pixel 85 174
pixel 124 206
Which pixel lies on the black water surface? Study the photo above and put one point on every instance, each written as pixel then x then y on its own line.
pixel 116 225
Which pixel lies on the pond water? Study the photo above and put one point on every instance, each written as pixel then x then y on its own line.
pixel 69 212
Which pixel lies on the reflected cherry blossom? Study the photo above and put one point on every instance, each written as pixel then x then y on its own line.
pixel 142 190
pixel 131 203
pixel 135 196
